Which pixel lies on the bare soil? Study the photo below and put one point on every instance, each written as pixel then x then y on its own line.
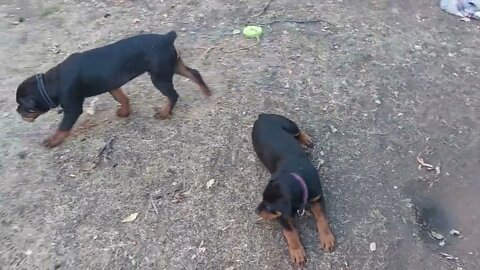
pixel 376 83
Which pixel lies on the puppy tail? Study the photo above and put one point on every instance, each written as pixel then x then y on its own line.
pixel 171 36
pixel 192 74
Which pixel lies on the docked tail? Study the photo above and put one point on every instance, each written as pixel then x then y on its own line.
pixel 171 36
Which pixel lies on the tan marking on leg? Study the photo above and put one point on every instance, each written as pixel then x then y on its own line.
pixel 305 139
pixel 120 97
pixel 56 139
pixel 165 112
pixel 295 248
pixel 327 240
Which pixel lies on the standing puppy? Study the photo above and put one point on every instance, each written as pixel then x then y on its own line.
pixel 280 144
pixel 102 70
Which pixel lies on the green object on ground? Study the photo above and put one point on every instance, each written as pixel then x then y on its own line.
pixel 252 31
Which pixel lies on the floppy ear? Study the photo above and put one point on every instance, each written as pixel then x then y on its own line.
pixel 29 103
pixel 284 207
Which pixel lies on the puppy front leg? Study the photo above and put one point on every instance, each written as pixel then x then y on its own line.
pixel 69 119
pixel 295 248
pixel 327 240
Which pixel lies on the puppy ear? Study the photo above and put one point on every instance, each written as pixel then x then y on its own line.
pixel 28 104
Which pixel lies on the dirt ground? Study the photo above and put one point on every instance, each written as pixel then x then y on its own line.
pixel 377 83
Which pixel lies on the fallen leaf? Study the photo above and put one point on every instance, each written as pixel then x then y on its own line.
pixel 88 166
pixel 436 235
pixel 448 256
pixel 130 218
pixel 210 183
pixel 373 246
pixel 455 233
pixel 91 108
pixel 422 163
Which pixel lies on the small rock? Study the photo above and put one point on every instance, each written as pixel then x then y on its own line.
pixel 236 32
pixel 334 130
pixel 441 243
pixel 373 246
pixel 107 15
pixel 418 47
pixel 28 252
pixel 210 183
pixel 21 19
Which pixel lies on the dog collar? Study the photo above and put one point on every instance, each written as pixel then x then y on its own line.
pixel 300 180
pixel 43 92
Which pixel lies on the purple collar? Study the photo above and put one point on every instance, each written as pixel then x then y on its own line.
pixel 304 189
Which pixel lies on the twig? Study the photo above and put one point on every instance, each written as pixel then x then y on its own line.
pixel 153 204
pixel 298 21
pixel 105 147
pixel 220 47
pixel 205 54
pixel 265 8
pixel 242 48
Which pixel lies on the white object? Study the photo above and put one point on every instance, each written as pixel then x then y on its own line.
pixel 462 8
pixel 373 246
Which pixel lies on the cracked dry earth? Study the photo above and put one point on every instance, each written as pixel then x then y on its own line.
pixel 376 83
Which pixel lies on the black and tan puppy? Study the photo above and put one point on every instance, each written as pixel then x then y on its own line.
pixel 102 70
pixel 279 144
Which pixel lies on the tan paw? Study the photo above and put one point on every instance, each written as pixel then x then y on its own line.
pixel 123 112
pixel 327 242
pixel 305 140
pixel 297 256
pixel 162 113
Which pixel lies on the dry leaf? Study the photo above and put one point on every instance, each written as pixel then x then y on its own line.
pixel 130 218
pixel 88 166
pixel 422 163
pixel 455 233
pixel 91 108
pixel 448 256
pixel 210 183
pixel 436 235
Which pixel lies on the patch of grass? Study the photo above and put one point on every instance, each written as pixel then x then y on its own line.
pixel 49 11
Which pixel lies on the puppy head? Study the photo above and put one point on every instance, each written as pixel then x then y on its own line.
pixel 276 202
pixel 29 99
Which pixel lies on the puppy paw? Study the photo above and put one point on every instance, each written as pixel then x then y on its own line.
pixel 206 91
pixel 305 140
pixel 52 142
pixel 123 112
pixel 298 256
pixel 162 113
pixel 327 242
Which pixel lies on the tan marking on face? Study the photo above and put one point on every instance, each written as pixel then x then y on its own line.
pixel 269 216
pixel 28 119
